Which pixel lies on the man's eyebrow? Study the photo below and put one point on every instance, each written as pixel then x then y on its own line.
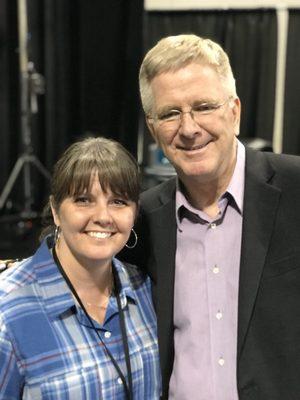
pixel 167 108
pixel 170 107
pixel 205 101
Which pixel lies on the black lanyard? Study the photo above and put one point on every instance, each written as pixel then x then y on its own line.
pixel 127 387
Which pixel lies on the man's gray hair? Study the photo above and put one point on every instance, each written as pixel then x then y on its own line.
pixel 174 52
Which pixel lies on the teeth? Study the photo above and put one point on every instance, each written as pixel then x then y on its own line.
pixel 193 148
pixel 100 235
pixel 198 147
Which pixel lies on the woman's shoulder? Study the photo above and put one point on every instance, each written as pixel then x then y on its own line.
pixel 21 276
pixel 135 276
pixel 16 276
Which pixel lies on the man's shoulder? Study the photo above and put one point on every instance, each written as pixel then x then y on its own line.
pixel 285 165
pixel 156 195
pixel 281 170
pixel 284 161
pixel 276 159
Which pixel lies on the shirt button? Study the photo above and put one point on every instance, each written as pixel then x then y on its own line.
pixel 216 270
pixel 107 334
pixel 219 315
pixel 119 380
pixel 213 225
pixel 123 302
pixel 221 361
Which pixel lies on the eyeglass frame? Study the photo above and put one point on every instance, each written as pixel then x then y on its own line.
pixel 178 116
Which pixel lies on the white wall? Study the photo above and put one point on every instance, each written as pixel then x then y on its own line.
pixel 218 4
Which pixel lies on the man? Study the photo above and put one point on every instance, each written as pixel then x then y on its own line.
pixel 221 241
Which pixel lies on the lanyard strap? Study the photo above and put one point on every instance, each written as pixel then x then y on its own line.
pixel 124 335
pixel 127 387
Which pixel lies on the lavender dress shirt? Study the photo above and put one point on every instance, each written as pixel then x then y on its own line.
pixel 206 295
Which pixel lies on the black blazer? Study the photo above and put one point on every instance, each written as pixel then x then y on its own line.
pixel 268 356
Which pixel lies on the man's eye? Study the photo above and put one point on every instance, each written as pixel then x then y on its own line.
pixel 203 108
pixel 172 114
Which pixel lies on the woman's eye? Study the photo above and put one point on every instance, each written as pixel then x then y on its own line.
pixel 81 199
pixel 119 202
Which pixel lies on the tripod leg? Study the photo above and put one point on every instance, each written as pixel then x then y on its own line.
pixel 40 167
pixel 28 200
pixel 11 181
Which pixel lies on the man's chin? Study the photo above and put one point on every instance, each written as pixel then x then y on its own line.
pixel 195 172
pixel 194 165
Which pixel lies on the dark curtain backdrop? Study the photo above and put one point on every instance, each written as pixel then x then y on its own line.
pixel 291 137
pixel 9 100
pixel 89 53
pixel 249 38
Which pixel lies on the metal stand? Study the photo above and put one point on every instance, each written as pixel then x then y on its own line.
pixel 31 84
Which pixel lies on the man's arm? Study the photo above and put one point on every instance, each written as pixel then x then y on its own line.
pixel 4 264
pixel 11 381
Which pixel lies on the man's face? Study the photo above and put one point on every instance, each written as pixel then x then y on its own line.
pixel 203 147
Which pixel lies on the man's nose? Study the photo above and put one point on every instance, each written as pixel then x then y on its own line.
pixel 188 126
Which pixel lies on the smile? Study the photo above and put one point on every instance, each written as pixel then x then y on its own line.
pixel 99 235
pixel 193 148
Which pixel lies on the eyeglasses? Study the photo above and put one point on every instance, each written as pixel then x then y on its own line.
pixel 174 117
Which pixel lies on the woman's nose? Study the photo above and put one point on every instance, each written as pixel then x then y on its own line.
pixel 102 214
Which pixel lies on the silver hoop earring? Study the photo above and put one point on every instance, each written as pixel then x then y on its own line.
pixel 56 234
pixel 131 246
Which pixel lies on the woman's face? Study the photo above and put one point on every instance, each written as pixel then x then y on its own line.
pixel 94 226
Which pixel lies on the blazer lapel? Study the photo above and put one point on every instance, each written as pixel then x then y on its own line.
pixel 163 232
pixel 261 201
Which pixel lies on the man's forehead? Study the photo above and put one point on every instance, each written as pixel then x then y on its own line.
pixel 191 67
pixel 173 87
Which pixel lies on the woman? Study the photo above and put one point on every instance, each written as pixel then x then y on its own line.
pixel 76 323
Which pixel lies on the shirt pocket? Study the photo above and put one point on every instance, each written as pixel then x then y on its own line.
pixel 82 384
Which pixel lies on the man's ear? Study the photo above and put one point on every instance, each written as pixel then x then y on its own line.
pixel 150 125
pixel 236 110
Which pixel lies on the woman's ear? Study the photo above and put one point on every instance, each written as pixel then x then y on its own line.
pixel 54 212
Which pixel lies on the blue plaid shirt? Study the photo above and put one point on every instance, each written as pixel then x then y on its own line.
pixel 48 349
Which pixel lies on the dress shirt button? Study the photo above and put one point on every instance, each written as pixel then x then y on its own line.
pixel 216 269
pixel 213 225
pixel 119 380
pixel 219 315
pixel 221 361
pixel 107 335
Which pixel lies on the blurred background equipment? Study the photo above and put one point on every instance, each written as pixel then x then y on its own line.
pixel 31 84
